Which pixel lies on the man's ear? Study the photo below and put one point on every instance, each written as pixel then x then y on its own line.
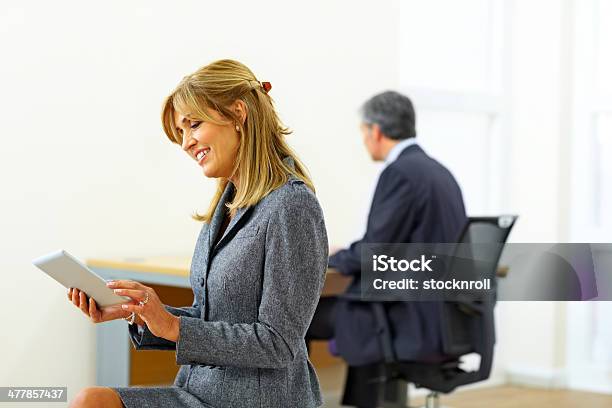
pixel 241 111
pixel 377 134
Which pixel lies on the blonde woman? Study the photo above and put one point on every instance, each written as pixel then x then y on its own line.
pixel 257 269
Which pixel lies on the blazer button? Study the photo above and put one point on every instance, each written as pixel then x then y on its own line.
pixel 201 281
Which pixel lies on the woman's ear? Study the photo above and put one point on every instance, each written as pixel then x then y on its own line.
pixel 241 111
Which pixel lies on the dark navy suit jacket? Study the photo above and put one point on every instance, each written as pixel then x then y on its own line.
pixel 416 200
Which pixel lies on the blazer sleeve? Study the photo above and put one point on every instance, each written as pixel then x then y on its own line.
pixel 293 276
pixel 393 206
pixel 143 339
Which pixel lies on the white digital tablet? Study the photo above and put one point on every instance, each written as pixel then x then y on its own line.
pixel 72 273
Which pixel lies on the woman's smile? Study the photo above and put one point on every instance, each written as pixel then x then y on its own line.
pixel 202 155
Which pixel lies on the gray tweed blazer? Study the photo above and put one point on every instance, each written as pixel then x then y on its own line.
pixel 241 343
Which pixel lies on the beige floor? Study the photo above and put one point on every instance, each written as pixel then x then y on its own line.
pixel 521 397
pixel 495 397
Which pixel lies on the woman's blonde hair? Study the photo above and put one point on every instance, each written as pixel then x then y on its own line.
pixel 259 162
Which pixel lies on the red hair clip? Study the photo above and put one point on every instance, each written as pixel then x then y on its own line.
pixel 266 86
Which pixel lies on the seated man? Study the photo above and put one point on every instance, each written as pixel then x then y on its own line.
pixel 416 200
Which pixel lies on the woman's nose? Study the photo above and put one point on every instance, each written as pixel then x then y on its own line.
pixel 187 142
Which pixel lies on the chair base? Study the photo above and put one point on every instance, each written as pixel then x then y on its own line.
pixel 433 401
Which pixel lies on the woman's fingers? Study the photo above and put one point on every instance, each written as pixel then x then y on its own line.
pixel 83 303
pixel 75 297
pixel 137 295
pixel 94 313
pixel 133 308
pixel 87 305
pixel 125 284
pixel 90 309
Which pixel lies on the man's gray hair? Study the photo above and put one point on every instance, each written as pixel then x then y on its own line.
pixel 393 113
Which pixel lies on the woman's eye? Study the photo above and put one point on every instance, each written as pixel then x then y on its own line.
pixel 195 125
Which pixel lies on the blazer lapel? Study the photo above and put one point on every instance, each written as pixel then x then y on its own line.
pixel 217 218
pixel 234 225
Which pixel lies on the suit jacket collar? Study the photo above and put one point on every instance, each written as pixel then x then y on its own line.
pixel 414 148
pixel 402 145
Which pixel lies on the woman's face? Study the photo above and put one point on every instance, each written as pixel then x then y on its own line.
pixel 214 147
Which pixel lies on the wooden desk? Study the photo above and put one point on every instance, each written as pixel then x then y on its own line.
pixel 118 364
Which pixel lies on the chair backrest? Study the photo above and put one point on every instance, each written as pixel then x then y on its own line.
pixel 469 326
pixel 487 229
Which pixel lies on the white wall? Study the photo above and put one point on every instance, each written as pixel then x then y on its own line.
pixel 589 357
pixel 531 334
pixel 85 165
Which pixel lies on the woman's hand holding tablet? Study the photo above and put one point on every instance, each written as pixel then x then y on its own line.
pixel 93 297
pixel 91 310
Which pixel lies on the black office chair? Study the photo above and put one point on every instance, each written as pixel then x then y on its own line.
pixel 468 327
